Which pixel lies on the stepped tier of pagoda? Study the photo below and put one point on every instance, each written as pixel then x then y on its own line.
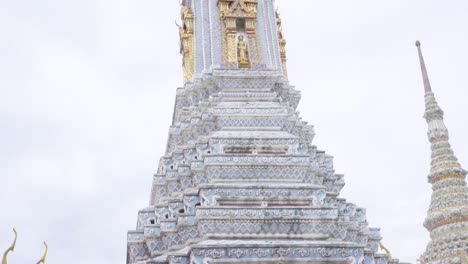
pixel 241 181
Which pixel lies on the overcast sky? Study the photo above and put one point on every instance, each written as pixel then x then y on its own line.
pixel 86 98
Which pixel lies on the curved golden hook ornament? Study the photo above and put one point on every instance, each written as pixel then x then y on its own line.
pixel 386 250
pixel 11 248
pixel 43 259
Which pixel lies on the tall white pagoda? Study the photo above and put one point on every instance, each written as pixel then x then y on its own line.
pixel 241 181
pixel 447 218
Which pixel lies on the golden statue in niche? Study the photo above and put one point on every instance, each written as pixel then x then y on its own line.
pixel 242 53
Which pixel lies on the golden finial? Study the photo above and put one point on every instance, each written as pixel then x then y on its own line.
pixel 43 259
pixel 11 248
pixel 382 247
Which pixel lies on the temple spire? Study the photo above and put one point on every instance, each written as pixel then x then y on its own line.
pixel 427 84
pixel 447 217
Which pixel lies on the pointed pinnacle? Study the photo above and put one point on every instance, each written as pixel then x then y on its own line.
pixel 427 84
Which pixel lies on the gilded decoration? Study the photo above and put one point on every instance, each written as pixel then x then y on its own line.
pixel 242 53
pixel 239 27
pixel 387 251
pixel 10 249
pixel 13 246
pixel 187 44
pixel 44 256
pixel 282 44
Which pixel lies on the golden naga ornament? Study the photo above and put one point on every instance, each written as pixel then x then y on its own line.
pixel 43 259
pixel 382 247
pixel 10 249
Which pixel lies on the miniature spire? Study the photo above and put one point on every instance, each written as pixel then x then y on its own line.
pixel 11 248
pixel 427 84
pixel 449 202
